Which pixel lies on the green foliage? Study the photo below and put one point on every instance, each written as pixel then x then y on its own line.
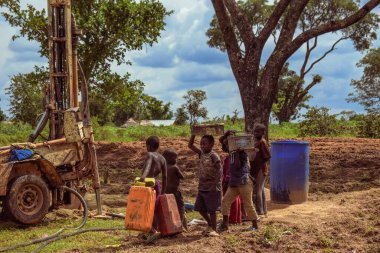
pixel 181 116
pixel 291 95
pixel 367 89
pixel 318 122
pixel 235 116
pixel 14 132
pixel 115 98
pixel 26 95
pixel 17 132
pixel 2 115
pixel 285 130
pixel 369 125
pixel 243 28
pixel 110 28
pixel 193 105
pixel 152 108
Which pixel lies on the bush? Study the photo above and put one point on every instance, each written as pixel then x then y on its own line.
pixel 368 126
pixel 318 122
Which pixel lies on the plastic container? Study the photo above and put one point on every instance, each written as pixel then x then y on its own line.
pixel 169 221
pixel 140 208
pixel 289 171
pixel 211 129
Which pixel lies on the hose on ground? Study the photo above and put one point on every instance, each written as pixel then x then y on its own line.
pixel 72 234
pixel 56 234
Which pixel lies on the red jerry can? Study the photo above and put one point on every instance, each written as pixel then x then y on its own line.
pixel 140 208
pixel 169 221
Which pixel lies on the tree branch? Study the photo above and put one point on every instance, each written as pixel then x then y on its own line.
pixel 331 26
pixel 241 22
pixel 290 23
pixel 307 56
pixel 272 21
pixel 325 54
pixel 229 36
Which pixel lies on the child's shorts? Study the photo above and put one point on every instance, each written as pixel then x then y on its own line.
pixel 208 201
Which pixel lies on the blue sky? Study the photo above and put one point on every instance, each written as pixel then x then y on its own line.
pixel 182 61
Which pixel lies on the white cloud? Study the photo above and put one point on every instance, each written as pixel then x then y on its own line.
pixel 182 61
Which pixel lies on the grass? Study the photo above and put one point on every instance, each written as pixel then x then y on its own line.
pixel 13 133
pixel 12 235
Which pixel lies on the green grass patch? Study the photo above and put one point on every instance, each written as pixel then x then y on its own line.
pixel 17 132
pixel 11 234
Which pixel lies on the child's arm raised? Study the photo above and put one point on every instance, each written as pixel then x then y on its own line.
pixel 193 147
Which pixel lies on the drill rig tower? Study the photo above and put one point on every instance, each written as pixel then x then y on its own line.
pixel 30 187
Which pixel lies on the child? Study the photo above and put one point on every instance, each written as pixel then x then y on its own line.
pixel 210 182
pixel 259 167
pixel 174 176
pixel 239 184
pixel 154 164
pixel 236 212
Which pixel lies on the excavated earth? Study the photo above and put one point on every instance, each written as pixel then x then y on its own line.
pixel 341 215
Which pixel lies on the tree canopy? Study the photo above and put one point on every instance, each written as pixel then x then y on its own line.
pixel 110 30
pixel 193 105
pixel 243 29
pixel 26 92
pixel 367 88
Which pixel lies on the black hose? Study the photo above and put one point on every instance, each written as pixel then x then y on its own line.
pixel 72 234
pixel 56 234
pixel 84 204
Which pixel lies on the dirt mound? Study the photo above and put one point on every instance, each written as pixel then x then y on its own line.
pixel 336 164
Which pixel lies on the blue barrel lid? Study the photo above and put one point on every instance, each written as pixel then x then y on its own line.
pixel 290 142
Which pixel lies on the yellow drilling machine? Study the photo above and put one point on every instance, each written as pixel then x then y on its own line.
pixel 38 177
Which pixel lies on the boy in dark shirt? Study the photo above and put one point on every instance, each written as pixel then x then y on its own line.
pixel 154 164
pixel 174 176
pixel 210 182
pixel 259 167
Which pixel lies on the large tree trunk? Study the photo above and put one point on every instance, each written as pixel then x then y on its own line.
pixel 255 106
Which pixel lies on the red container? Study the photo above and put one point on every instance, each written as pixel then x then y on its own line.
pixel 140 208
pixel 169 221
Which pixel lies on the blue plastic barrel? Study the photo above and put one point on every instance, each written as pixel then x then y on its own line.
pixel 289 171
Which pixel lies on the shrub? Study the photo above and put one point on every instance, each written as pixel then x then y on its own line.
pixel 318 122
pixel 369 126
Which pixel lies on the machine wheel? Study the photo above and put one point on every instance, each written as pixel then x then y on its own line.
pixel 28 200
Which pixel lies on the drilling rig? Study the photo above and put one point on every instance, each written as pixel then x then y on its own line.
pixel 30 187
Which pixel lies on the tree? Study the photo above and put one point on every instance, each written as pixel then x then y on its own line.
pixel 27 95
pixel 245 33
pixel 110 29
pixel 115 98
pixel 318 122
pixel 181 116
pixel 291 96
pixel 193 105
pixel 152 108
pixel 367 89
pixel 235 116
pixel 2 115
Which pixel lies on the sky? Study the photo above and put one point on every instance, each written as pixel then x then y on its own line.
pixel 182 60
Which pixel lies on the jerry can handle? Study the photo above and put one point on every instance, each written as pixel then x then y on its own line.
pixel 149 182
